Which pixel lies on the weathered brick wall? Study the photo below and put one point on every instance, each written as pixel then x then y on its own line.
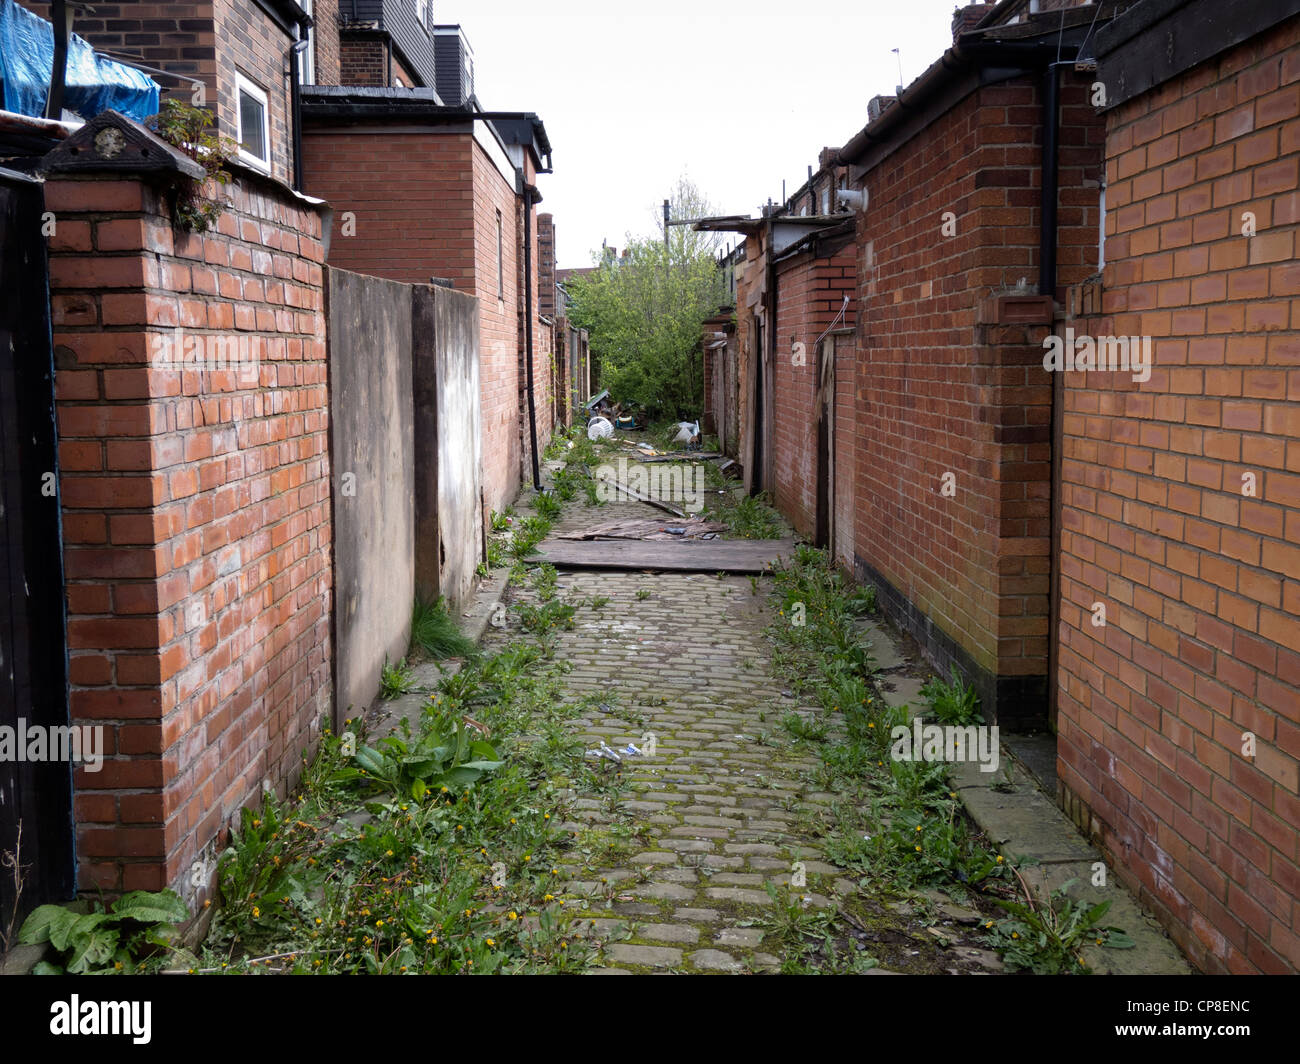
pixel 1181 514
pixel 362 61
pixel 810 294
pixel 325 40
pixel 505 418
pixel 948 384
pixel 196 514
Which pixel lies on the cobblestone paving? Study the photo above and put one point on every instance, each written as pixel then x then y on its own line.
pixel 673 852
pixel 718 804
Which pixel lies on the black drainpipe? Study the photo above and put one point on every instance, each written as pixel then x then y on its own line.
pixel 528 328
pixel 61 22
pixel 1047 221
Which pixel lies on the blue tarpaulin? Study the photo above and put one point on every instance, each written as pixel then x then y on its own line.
pixel 92 84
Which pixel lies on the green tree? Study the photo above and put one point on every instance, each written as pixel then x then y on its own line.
pixel 644 313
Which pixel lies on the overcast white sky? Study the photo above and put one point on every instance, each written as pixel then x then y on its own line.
pixel 737 95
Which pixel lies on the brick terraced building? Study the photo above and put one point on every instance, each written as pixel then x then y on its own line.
pixel 1111 556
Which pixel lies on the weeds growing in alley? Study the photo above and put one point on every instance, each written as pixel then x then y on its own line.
pixel 434 850
pixel 897 824
pixel 434 631
pixel 395 680
pixel 749 517
pixel 953 702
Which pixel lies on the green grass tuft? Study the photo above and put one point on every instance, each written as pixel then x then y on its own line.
pixel 435 632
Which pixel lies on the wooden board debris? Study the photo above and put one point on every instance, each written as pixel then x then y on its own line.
pixel 682 556
pixel 689 528
pixel 614 483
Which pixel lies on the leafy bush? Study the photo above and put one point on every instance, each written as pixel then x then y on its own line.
pixel 644 312
pixel 186 128
pixel 138 924
pixel 953 703
pixel 442 758
pixel 1046 938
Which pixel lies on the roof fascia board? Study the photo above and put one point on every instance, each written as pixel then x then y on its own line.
pixel 286 14
pixel 1157 40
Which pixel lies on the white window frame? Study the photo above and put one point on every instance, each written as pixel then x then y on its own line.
pixel 307 61
pixel 252 88
pixel 423 14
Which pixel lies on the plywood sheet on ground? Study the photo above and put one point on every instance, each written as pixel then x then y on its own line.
pixel 692 528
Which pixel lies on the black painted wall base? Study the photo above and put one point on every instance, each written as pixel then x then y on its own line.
pixel 1015 703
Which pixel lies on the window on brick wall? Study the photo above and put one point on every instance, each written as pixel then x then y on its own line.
pixel 253 132
pixel 501 260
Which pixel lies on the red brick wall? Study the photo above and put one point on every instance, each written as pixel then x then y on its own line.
pixel 196 516
pixel 941 390
pixel 410 221
pixel 505 418
pixel 362 61
pixel 1201 580
pixel 810 294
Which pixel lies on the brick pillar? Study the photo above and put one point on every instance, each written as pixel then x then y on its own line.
pixel 190 387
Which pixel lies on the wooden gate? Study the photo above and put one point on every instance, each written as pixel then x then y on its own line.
pixel 35 797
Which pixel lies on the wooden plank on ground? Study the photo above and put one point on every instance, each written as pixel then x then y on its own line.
pixel 681 556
